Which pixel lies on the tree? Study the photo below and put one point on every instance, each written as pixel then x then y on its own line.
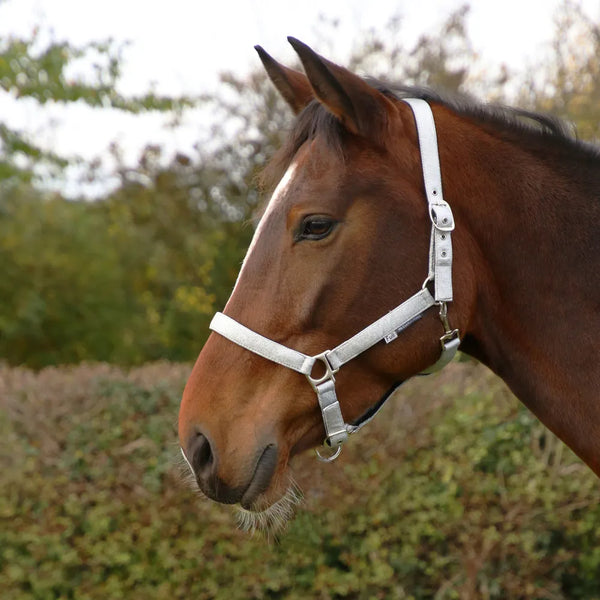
pixel 42 74
pixel 567 84
pixel 63 292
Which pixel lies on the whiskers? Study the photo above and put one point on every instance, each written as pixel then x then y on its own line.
pixel 186 474
pixel 273 519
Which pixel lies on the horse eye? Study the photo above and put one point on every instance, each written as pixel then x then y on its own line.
pixel 315 228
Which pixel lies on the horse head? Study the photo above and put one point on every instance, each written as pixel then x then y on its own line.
pixel 344 239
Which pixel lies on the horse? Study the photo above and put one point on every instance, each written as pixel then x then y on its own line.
pixel 404 224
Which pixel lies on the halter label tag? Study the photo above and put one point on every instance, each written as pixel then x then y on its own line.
pixel 390 337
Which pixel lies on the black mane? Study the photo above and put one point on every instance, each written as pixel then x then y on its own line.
pixel 513 121
pixel 536 131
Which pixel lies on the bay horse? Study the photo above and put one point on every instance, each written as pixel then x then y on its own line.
pixel 403 224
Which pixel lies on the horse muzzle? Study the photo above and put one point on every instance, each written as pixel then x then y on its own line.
pixel 203 460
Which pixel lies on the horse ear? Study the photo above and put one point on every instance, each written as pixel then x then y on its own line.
pixel 361 108
pixel 292 85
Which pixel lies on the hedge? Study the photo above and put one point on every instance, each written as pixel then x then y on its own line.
pixel 454 491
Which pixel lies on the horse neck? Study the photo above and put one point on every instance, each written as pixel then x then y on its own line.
pixel 531 229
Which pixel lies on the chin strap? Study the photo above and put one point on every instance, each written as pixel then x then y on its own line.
pixel 388 326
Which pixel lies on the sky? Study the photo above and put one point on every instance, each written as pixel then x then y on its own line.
pixel 181 46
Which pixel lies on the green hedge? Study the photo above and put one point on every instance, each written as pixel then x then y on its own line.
pixel 453 492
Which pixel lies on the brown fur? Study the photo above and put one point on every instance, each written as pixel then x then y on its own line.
pixel 526 256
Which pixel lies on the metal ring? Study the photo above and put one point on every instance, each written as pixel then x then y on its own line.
pixel 329 374
pixel 329 458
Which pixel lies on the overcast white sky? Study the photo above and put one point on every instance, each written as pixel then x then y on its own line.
pixel 181 45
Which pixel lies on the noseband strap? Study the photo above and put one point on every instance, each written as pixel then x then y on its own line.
pixel 387 327
pixel 242 336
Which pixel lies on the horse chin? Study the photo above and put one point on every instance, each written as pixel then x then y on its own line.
pixel 270 513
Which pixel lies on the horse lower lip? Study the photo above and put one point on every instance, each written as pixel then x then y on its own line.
pixel 263 473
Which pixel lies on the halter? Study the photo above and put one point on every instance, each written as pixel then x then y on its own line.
pixel 385 328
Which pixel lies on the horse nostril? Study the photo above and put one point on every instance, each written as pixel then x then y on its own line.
pixel 203 462
pixel 201 454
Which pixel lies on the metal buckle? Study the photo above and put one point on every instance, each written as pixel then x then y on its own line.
pixel 448 337
pixel 444 317
pixel 329 371
pixel 315 382
pixel 444 221
pixel 449 334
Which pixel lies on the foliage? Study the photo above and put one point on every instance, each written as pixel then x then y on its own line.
pixel 463 497
pixel 133 278
pixel 48 74
pixel 58 260
pixel 444 61
pixel 182 236
pixel 568 83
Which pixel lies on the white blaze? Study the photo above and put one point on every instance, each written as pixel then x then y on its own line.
pixel 276 199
